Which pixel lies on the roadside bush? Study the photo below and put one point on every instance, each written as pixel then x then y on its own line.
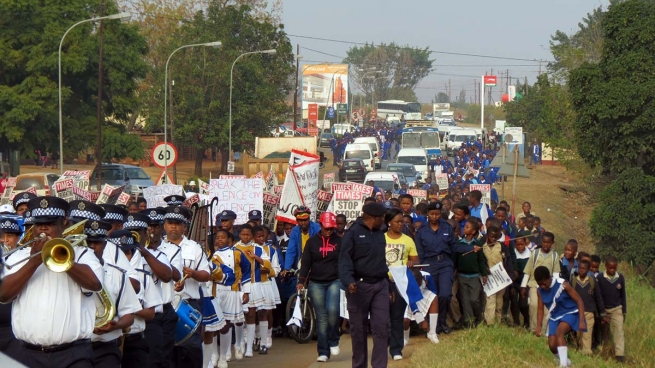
pixel 623 222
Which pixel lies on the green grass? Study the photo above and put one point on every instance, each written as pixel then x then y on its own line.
pixel 501 346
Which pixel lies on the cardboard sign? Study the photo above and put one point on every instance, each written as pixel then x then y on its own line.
pixel 442 182
pixel 277 190
pixel 418 194
pixel 270 210
pixel 7 196
pixel 155 195
pixel 109 194
pixel 239 195
pixel 348 203
pixel 80 178
pixel 300 185
pixel 123 199
pixel 341 186
pixel 486 192
pixel 64 189
pixel 328 179
pixel 204 187
pixel 270 181
pixel 259 175
pixel 366 190
pixel 324 199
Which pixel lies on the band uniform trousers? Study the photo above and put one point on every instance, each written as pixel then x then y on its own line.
pixel 135 351
pixel 79 355
pixel 189 354
pixel 373 299
pixel 106 354
pixel 397 318
pixel 160 334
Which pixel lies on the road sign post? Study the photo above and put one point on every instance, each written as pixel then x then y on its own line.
pixel 486 80
pixel 230 166
pixel 164 155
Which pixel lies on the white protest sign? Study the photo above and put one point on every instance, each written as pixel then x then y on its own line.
pixel 155 195
pixel 80 178
pixel 347 203
pixel 270 209
pixel 328 179
pixel 64 189
pixel 7 194
pixel 516 133
pixel 191 198
pixel 259 175
pixel 497 280
pixel 442 181
pixel 277 189
pixel 109 194
pixel 239 195
pixel 486 192
pixel 204 187
pixel 123 198
pixel 300 185
pixel 418 194
pixel 324 199
pixel 270 181
pixel 343 305
pixel 341 186
pixel 366 190
pixel 232 177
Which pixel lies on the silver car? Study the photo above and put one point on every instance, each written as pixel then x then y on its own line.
pixel 133 177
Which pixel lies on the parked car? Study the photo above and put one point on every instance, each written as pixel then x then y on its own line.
pixel 325 140
pixel 42 182
pixel 117 175
pixel 352 169
pixel 385 180
pixel 408 170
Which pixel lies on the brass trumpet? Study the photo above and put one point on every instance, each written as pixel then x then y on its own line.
pixel 105 314
pixel 57 254
pixel 136 236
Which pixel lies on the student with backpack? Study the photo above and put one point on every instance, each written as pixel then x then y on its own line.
pixel 585 285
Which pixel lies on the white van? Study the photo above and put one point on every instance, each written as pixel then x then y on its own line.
pixel 361 151
pixel 385 180
pixel 457 137
pixel 375 147
pixel 415 156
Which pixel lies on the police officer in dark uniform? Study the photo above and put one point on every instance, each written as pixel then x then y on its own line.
pixel 363 271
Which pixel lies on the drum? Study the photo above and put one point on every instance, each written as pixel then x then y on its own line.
pixel 188 320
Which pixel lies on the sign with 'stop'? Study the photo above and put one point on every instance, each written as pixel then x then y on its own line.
pixel 490 80
pixel 164 155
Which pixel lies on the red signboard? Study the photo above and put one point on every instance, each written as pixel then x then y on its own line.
pixel 490 80
pixel 312 113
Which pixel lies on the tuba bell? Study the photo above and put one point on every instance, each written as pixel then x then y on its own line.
pixel 107 312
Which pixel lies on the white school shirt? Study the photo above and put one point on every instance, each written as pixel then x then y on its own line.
pixel 114 255
pixel 122 294
pixel 174 255
pixel 52 309
pixel 149 297
pixel 161 257
pixel 193 257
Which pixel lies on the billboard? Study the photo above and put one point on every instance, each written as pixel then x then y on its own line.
pixel 324 84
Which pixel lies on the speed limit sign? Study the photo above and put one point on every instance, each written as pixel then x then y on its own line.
pixel 164 154
pixel 355 115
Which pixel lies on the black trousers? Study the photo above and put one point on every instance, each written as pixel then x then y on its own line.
pixel 160 352
pixel 519 306
pixel 373 299
pixel 135 351
pixel 189 354
pixel 106 354
pixel 79 355
pixel 397 315
pixel 8 343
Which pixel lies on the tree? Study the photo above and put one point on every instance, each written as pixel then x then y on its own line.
pixel 441 97
pixel 615 98
pixel 29 42
pixel 118 144
pixel 632 237
pixel 261 82
pixel 404 66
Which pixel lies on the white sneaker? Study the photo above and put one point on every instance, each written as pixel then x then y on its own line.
pixel 214 360
pixel 433 337
pixel 238 353
pixel 222 364
pixel 269 342
pixel 248 354
pixel 322 358
pixel 335 350
pixel 228 356
pixel 397 357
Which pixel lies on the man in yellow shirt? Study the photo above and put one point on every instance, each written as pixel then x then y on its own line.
pixel 304 229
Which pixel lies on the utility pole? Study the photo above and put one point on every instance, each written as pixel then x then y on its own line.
pixel 172 125
pixel 475 91
pixel 526 85
pixel 450 98
pixel 295 95
pixel 99 102
pixel 539 67
pixel 490 88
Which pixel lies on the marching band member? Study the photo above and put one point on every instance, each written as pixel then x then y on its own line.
pixel 157 261
pixel 136 349
pixel 115 216
pixel 175 200
pixel 271 294
pixel 259 264
pixel 105 340
pixel 212 315
pixel 85 210
pixel 195 269
pixel 10 233
pixel 161 330
pixel 20 202
pixel 53 313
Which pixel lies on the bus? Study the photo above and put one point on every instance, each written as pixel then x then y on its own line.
pixel 399 109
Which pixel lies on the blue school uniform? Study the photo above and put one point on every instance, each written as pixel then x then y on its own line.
pixel 561 306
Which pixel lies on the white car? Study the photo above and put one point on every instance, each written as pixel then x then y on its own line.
pixel 375 147
pixel 415 156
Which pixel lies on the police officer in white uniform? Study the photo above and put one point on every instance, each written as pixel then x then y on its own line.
pixel 161 330
pixel 54 312
pixel 20 202
pixel 10 233
pixel 85 210
pixel 136 349
pixel 195 268
pixel 106 339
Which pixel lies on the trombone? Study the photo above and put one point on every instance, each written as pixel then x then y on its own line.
pixel 57 254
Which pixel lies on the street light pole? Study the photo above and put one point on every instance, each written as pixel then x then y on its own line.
pixel 123 17
pixel 207 44
pixel 271 51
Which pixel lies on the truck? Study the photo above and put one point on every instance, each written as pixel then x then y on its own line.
pixel 438 108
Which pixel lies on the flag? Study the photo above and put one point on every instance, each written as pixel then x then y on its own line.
pixel 296 318
pixel 484 215
pixel 408 289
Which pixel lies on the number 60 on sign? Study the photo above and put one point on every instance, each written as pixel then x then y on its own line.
pixel 164 155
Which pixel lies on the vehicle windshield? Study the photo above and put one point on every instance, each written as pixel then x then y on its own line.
pixel 364 155
pixel 429 139
pixel 405 170
pixel 411 140
pixel 413 107
pixel 463 138
pixel 384 184
pixel 136 173
pixel 110 174
pixel 29 182
pixel 414 160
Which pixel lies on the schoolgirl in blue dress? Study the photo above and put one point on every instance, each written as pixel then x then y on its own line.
pixel 566 311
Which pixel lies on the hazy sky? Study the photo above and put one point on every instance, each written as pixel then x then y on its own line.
pixel 500 28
